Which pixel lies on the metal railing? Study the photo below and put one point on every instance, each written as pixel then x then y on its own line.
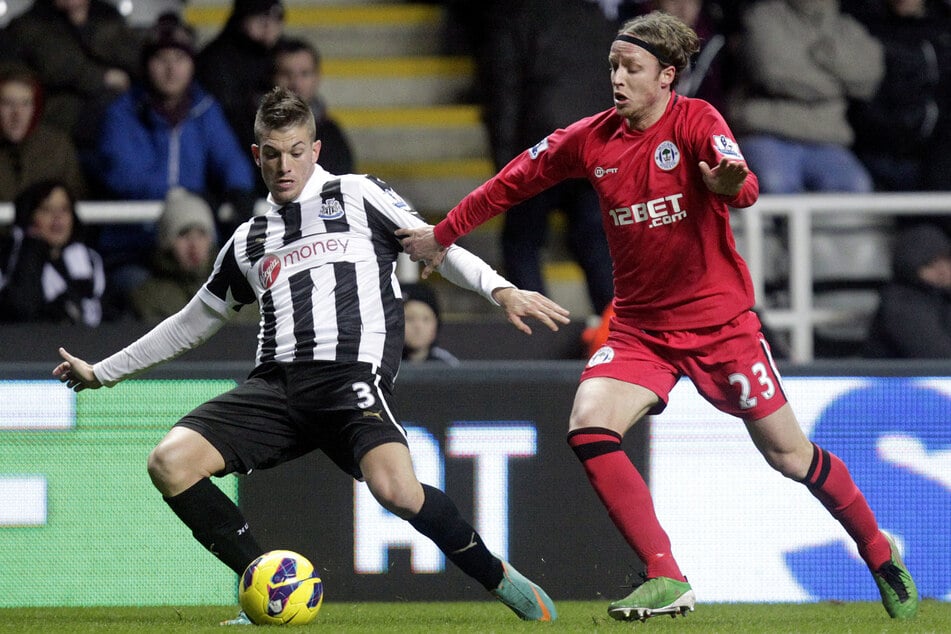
pixel 799 319
pixel 802 316
pixel 104 211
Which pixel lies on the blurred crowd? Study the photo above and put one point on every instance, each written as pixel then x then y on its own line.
pixel 93 107
pixel 823 95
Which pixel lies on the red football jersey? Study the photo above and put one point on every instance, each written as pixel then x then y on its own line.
pixel 675 260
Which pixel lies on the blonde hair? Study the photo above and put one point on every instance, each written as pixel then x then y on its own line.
pixel 675 41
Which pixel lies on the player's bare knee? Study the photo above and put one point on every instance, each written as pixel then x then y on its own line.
pixel 787 463
pixel 399 508
pixel 171 470
pixel 583 416
pixel 161 467
pixel 401 500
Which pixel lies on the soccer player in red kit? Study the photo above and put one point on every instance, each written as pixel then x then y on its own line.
pixel 667 169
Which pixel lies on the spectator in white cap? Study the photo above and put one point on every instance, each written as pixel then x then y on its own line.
pixel 182 260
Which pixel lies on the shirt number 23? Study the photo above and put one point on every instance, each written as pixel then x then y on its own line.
pixel 766 387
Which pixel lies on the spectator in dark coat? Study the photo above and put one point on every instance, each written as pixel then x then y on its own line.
pixel 710 74
pixel 903 135
pixel 7 55
pixel 297 67
pixel 543 66
pixel 914 316
pixel 236 66
pixel 46 272
pixel 84 54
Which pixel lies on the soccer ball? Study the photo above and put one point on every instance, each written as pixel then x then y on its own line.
pixel 281 587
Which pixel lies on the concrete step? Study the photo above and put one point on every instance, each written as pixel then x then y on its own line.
pixel 402 135
pixel 382 54
pixel 564 279
pixel 397 99
pixel 566 285
pixel 354 29
pixel 142 13
pixel 389 82
pixel 433 188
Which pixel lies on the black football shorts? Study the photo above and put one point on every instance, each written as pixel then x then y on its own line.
pixel 285 410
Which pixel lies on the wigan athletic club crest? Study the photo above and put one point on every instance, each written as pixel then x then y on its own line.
pixel 667 156
pixel 270 268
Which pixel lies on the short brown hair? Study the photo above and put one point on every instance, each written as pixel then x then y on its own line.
pixel 280 109
pixel 676 41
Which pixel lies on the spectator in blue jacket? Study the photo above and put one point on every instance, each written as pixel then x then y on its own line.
pixel 167 133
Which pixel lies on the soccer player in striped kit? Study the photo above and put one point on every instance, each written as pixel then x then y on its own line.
pixel 321 263
pixel 666 168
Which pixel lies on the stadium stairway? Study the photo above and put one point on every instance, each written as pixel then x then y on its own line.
pixel 408 110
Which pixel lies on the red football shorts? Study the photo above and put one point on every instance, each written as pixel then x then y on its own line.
pixel 730 365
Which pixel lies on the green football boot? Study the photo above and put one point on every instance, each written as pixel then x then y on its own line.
pixel 898 590
pixel 660 595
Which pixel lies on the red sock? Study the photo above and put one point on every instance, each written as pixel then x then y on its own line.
pixel 829 480
pixel 626 497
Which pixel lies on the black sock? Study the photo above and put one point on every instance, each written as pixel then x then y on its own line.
pixel 439 520
pixel 217 524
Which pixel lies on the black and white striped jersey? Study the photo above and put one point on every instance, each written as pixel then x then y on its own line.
pixel 323 270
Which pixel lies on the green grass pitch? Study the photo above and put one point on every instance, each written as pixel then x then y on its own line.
pixel 485 617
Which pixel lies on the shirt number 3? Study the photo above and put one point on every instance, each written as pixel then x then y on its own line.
pixel 747 400
pixel 365 396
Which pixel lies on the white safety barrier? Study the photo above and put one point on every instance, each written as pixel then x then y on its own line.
pixel 800 211
pixel 104 211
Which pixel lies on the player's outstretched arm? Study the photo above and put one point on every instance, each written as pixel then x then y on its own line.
pixel 75 373
pixel 179 333
pixel 518 304
pixel 467 270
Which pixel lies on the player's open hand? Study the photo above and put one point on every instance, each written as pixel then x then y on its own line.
pixel 421 245
pixel 726 178
pixel 518 304
pixel 75 373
